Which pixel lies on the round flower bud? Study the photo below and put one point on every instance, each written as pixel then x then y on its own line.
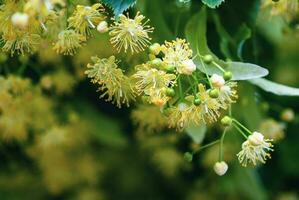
pixel 217 81
pixel 170 92
pixel 155 48
pixel 102 27
pixel 156 62
pixel 188 67
pixel 197 101
pixel 20 20
pixel 151 56
pixel 220 168
pixel 214 93
pixel 226 121
pixel 188 156
pixel 287 115
pixel 227 75
pixel 170 69
pixel 208 59
pixel 256 139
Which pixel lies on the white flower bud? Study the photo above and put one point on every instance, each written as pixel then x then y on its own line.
pixel 188 67
pixel 288 115
pixel 217 81
pixel 103 27
pixel 155 48
pixel 20 20
pixel 220 168
pixel 256 139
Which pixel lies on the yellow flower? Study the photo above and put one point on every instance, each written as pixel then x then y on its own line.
pixel 86 18
pixel 227 94
pixel 130 34
pixel 22 106
pixel 272 129
pixel 68 42
pixel 176 53
pixel 184 114
pixel 153 82
pixel 209 106
pixel 21 43
pixel 255 149
pixel 179 116
pixel 149 118
pixel 111 80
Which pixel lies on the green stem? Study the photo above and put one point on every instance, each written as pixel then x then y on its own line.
pixel 242 126
pixel 221 146
pixel 206 72
pixel 240 131
pixel 218 66
pixel 180 87
pixel 206 146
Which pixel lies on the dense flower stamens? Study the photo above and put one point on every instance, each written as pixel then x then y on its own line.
pixel 255 149
pixel 130 34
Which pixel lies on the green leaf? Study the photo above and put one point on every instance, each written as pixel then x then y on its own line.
pixel 212 3
pixel 197 132
pixel 275 88
pixel 119 6
pixel 196 36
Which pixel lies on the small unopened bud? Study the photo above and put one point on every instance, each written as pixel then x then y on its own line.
pixel 220 168
pixel 226 121
pixel 155 48
pixel 20 20
pixel 197 101
pixel 102 27
pixel 188 67
pixel 188 156
pixel 256 139
pixel 208 59
pixel 157 62
pixel 170 92
pixel 287 115
pixel 170 69
pixel 151 56
pixel 217 81
pixel 227 75
pixel 214 93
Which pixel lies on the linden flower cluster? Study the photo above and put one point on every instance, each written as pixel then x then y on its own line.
pixel 111 80
pixel 24 25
